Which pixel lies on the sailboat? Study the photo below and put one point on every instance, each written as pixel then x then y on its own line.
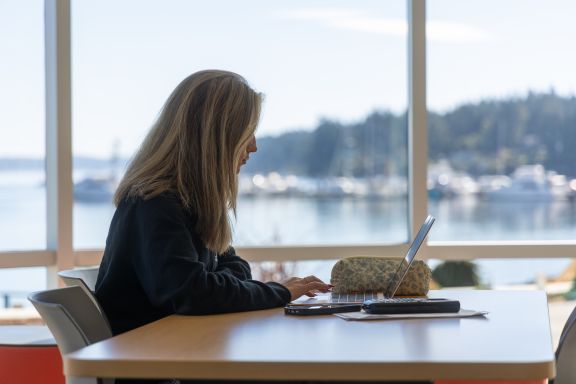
pixel 99 189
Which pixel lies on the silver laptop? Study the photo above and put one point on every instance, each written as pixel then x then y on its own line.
pixel 393 284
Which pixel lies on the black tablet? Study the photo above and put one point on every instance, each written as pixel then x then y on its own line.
pixel 313 310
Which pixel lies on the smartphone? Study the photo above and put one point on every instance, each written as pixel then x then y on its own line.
pixel 410 305
pixel 303 310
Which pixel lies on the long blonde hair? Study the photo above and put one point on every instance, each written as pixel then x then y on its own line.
pixel 194 149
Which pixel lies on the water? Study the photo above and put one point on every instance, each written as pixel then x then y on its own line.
pixel 304 221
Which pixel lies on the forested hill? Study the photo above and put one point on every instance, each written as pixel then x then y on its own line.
pixel 490 137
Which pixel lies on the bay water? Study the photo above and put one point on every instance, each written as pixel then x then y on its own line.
pixel 300 220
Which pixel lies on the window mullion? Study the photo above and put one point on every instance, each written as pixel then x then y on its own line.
pixel 59 195
pixel 417 124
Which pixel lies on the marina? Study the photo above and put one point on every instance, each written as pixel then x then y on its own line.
pixel 276 209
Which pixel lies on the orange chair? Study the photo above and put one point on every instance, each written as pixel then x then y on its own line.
pixel 30 364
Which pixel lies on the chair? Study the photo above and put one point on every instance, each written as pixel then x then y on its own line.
pixel 28 354
pixel 73 319
pixel 30 364
pixel 566 353
pixel 84 277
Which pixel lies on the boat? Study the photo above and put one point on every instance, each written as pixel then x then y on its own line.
pixel 530 183
pixel 95 190
pixel 444 182
pixel 100 186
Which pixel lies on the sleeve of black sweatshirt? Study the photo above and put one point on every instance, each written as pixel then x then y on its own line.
pixel 234 264
pixel 172 276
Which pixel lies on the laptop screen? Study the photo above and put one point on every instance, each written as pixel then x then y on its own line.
pixel 407 261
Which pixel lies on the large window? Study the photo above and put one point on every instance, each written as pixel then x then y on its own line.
pixel 332 161
pixel 501 104
pixel 22 191
pixel 22 175
pixel 334 175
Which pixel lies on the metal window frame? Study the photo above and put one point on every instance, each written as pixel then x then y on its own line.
pixel 59 192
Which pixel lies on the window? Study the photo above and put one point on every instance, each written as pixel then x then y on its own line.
pixel 22 190
pixel 138 54
pixel 332 161
pixel 22 143
pixel 17 283
pixel 501 101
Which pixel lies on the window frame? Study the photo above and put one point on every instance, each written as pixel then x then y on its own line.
pixel 60 253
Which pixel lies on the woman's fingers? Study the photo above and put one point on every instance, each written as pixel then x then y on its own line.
pixel 306 286
pixel 311 278
pixel 317 285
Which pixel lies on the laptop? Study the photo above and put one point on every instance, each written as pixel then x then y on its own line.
pixel 393 284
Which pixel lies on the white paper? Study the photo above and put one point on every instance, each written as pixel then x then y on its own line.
pixel 367 316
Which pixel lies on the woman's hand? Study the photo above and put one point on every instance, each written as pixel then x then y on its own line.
pixel 304 286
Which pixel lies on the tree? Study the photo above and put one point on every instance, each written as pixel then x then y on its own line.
pixel 456 274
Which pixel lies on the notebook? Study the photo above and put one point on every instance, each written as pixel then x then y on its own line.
pixel 393 284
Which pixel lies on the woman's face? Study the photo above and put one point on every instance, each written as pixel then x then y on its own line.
pixel 248 149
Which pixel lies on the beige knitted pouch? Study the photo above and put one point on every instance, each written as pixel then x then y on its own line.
pixel 372 274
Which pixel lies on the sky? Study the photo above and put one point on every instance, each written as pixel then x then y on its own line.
pixel 312 59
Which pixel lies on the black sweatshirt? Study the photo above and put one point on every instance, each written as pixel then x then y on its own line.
pixel 155 265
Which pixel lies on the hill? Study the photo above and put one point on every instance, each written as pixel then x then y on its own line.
pixel 490 137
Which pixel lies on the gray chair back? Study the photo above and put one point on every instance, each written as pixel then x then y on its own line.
pixel 73 319
pixel 84 277
pixel 566 353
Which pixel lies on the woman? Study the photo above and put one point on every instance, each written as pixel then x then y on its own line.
pixel 168 249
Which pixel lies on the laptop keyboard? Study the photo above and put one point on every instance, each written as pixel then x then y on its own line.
pixel 353 297
pixel 392 300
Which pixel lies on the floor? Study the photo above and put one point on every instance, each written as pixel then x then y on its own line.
pixel 559 312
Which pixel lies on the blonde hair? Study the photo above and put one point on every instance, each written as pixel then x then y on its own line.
pixel 194 149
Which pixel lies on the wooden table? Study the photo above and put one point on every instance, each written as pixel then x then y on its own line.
pixel 513 342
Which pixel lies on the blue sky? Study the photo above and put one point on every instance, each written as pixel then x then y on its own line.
pixel 312 59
